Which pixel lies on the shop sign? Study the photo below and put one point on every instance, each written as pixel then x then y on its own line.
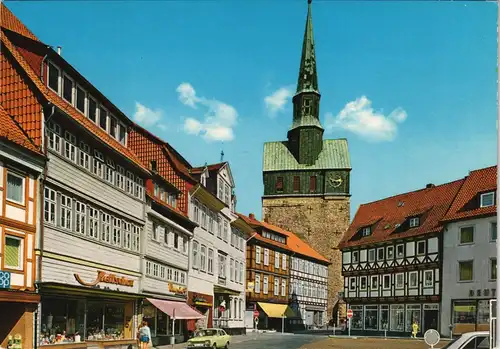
pixel 483 293
pixel 4 279
pixel 179 290
pixel 200 300
pixel 103 277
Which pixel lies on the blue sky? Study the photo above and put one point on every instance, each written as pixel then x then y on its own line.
pixel 411 85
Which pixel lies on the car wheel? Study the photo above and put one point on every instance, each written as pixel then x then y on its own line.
pixel 215 346
pixel 226 346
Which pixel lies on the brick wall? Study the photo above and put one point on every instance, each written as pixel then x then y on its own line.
pixel 321 222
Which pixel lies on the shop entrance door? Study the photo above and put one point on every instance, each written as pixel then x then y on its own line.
pixel 430 318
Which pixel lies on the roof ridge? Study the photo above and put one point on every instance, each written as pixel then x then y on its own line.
pixel 21 129
pixel 9 21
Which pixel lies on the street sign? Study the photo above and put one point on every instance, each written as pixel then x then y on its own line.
pixel 4 279
pixel 256 313
pixel 349 313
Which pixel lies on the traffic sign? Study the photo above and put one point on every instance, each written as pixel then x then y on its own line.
pixel 4 279
pixel 256 313
pixel 349 313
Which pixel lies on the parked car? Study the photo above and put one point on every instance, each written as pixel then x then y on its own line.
pixel 212 338
pixel 470 340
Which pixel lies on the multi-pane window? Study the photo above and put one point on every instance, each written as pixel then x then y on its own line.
pixel 13 252
pixel 117 232
pixel 65 211
pixel 231 269
pixel 170 275
pixel 106 227
pixel 121 134
pixel 136 236
pixel 92 112
pixel 241 272
pixel 196 211
pixel 211 223
pixel 177 241
pixel 257 254
pixel 80 212
pixel 54 131
pixel 15 187
pixel 195 254
pixel 183 278
pixel 139 188
pixel 50 206
pixel 227 195
pixel 233 236
pixel 493 231
pixel 219 227
pixel 414 222
pixel 67 89
pixel 265 286
pixel 84 156
pixel 257 284
pixel 210 261
pixel 204 217
pixel 236 271
pixel 222 265
pixel 97 169
pixel 276 286
pixel 156 231
pixel 120 177
pixel 226 231
pixel 80 99
pixel 130 183
pixel 110 171
pixel 283 263
pixel 266 256
pixel 283 287
pixel 277 260
pixel 127 234
pixel 112 126
pixel 93 223
pixel 54 75
pixel 487 199
pixel 176 276
pixel 203 256
pixel 221 189
pixel 103 118
pixel 70 146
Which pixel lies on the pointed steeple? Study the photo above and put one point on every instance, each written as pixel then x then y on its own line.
pixel 308 77
pixel 305 137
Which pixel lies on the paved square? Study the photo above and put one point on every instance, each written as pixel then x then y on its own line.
pixel 369 343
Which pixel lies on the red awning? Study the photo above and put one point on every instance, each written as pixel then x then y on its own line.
pixel 176 310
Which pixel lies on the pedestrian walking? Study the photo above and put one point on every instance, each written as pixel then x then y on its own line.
pixel 144 335
pixel 414 329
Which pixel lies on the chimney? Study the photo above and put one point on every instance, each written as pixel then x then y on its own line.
pixel 430 185
pixel 59 50
pixel 153 165
pixel 251 216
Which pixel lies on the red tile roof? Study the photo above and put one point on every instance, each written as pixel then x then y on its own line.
pixel 383 216
pixel 12 23
pixel 52 97
pixel 212 167
pixel 467 203
pixel 167 206
pixel 293 242
pixel 11 131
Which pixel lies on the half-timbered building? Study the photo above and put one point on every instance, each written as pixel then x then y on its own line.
pixel 21 164
pixel 469 255
pixel 166 241
pixel 391 261
pixel 268 276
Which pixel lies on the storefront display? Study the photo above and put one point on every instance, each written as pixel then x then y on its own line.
pixel 413 314
pixel 357 317
pixel 470 315
pixel 397 320
pixel 371 317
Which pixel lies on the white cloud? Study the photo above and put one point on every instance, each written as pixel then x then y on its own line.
pixel 277 100
pixel 359 117
pixel 146 116
pixel 219 120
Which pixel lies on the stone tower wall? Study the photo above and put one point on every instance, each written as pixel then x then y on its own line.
pixel 321 222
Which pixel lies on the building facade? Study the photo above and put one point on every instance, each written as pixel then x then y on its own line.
pixel 306 178
pixel 166 240
pixel 392 255
pixel 21 164
pixel 268 277
pixel 216 279
pixel 469 255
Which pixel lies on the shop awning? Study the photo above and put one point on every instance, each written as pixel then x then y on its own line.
pixel 176 310
pixel 223 290
pixel 277 310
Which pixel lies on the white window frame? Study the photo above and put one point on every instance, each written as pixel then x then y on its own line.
pixel 73 85
pixel 374 277
pixel 130 182
pixel 266 256
pixel 370 252
pixel 420 243
pixel 386 285
pixel 119 127
pixel 210 263
pixel 84 156
pixel 397 285
pixel 283 287
pixel 366 231
pixel 257 254
pixel 84 112
pixel 283 262
pixel 54 132
pixel 117 232
pixel 23 186
pixel 105 227
pixel 98 164
pixel 136 238
pixel 426 272
pixel 257 284
pixel 361 278
pixel 389 248
pixel 59 77
pixel 89 97
pixel 101 107
pixel 277 260
pixel 120 177
pixel 70 147
pixel 231 270
pixel 414 222
pixel 409 279
pixel 21 252
pixel 50 206
pixel 276 286
pixel 139 188
pixel 66 212
pixel 492 193
pixel 265 286
pixel 203 258
pixel 352 286
pixel 196 254
pixel 127 235
pixel 94 222
pixel 80 217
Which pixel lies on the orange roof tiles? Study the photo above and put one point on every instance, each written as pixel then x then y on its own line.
pixel 293 242
pixel 11 131
pixel 68 108
pixel 383 216
pixel 467 202
pixel 212 167
pixel 12 23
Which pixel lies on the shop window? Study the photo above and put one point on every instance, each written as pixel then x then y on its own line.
pixel 61 315
pixel 413 314
pixel 464 312
pixel 397 321
pixel 105 321
pixel 483 312
pixel 466 235
pixel 371 317
pixel 384 317
pixel 357 317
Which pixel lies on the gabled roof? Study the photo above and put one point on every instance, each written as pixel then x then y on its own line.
pixel 11 131
pixel 467 202
pixel 293 242
pixel 387 218
pixel 212 167
pixel 12 23
pixel 335 155
pixel 67 108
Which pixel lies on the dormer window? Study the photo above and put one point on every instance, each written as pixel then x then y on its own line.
pixel 414 222
pixel 103 118
pixel 366 231
pixel 279 184
pixel 54 74
pixel 488 199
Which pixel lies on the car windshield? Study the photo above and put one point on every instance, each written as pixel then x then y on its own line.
pixel 205 333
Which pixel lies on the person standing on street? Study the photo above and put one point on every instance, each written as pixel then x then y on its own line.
pixel 414 329
pixel 144 335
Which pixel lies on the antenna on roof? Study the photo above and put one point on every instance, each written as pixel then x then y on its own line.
pixel 222 156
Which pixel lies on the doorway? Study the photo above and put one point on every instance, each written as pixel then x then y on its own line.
pixel 431 317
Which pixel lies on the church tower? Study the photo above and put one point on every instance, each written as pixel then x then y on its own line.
pixel 306 178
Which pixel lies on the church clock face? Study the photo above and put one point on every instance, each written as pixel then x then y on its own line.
pixel 335 180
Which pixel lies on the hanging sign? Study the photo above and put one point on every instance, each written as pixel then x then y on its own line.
pixel 4 279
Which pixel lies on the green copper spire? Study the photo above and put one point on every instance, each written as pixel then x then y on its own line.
pixel 308 77
pixel 305 137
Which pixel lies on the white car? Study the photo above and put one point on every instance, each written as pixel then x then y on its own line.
pixel 470 340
